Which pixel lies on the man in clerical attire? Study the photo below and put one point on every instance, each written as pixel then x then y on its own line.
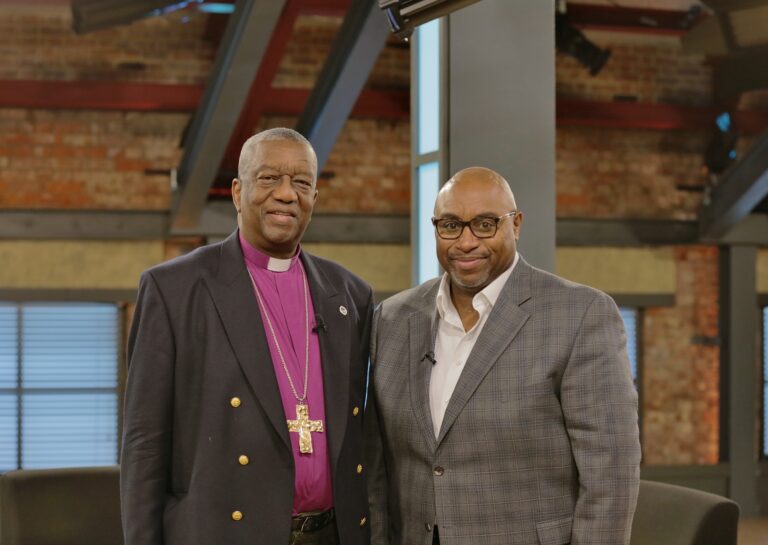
pixel 247 372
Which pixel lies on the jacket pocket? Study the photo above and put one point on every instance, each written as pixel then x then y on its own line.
pixel 555 532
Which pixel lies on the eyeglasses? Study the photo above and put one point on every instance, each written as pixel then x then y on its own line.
pixel 481 226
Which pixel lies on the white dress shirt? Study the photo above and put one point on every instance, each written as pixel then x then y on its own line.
pixel 453 345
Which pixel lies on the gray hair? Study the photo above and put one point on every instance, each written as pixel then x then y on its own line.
pixel 269 135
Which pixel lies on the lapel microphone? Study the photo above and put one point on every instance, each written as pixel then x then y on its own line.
pixel 429 356
pixel 319 324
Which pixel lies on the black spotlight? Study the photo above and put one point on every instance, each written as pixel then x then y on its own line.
pixel 571 41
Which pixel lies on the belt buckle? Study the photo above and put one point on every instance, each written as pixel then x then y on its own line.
pixel 315 521
pixel 304 525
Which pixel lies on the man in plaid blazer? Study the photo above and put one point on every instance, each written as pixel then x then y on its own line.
pixel 501 408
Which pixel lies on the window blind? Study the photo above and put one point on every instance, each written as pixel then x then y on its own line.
pixel 58 404
pixel 629 315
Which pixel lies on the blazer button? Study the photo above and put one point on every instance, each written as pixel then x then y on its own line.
pixel 243 459
pixel 235 402
pixel 438 471
pixel 359 468
pixel 237 515
pixel 428 527
pixel 355 411
pixel 363 521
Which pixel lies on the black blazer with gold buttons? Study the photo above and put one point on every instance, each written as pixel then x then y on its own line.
pixel 202 393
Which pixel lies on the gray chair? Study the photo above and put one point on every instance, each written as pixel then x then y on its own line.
pixel 73 506
pixel 674 515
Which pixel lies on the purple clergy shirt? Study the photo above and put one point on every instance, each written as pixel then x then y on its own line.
pixel 280 282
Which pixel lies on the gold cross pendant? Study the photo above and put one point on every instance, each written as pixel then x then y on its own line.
pixel 304 426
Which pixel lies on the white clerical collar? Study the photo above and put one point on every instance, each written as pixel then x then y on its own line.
pixel 256 257
pixel 279 265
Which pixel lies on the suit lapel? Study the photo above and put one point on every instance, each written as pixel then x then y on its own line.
pixel 501 327
pixel 238 310
pixel 422 327
pixel 334 351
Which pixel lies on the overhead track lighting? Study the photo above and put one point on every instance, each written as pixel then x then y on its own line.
pixel 90 15
pixel 405 15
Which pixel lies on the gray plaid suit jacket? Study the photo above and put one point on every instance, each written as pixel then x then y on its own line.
pixel 539 443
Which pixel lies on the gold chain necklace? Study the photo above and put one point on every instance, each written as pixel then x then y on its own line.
pixel 302 425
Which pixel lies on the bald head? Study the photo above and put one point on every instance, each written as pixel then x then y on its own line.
pixel 477 180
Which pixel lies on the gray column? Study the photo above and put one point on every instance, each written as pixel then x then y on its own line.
pixel 739 376
pixel 501 112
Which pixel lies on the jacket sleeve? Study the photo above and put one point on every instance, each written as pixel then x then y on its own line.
pixel 148 417
pixel 599 405
pixel 374 453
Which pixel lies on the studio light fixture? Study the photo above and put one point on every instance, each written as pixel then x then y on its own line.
pixel 405 15
pixel 90 15
pixel 571 41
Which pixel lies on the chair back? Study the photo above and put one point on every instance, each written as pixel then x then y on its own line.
pixel 675 515
pixel 72 506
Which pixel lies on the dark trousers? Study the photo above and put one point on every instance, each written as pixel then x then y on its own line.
pixel 327 535
pixel 435 537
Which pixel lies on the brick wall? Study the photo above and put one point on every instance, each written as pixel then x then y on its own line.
pixel 40 44
pixel 614 173
pixel 680 373
pixel 62 159
pixel 621 173
pixel 87 160
pixel 309 46
pixel 649 68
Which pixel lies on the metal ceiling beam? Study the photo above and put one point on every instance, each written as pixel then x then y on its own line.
pixel 741 188
pixel 99 95
pixel 631 19
pixel 83 225
pixel 262 84
pixel 140 97
pixel 652 116
pixel 219 219
pixel 733 5
pixel 361 38
pixel 624 232
pixel 739 72
pixel 237 62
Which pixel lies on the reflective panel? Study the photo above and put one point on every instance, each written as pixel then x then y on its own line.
pixel 428 86
pixel 428 185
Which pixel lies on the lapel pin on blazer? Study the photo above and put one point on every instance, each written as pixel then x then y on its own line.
pixel 343 310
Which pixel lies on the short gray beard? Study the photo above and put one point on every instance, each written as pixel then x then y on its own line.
pixel 466 285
